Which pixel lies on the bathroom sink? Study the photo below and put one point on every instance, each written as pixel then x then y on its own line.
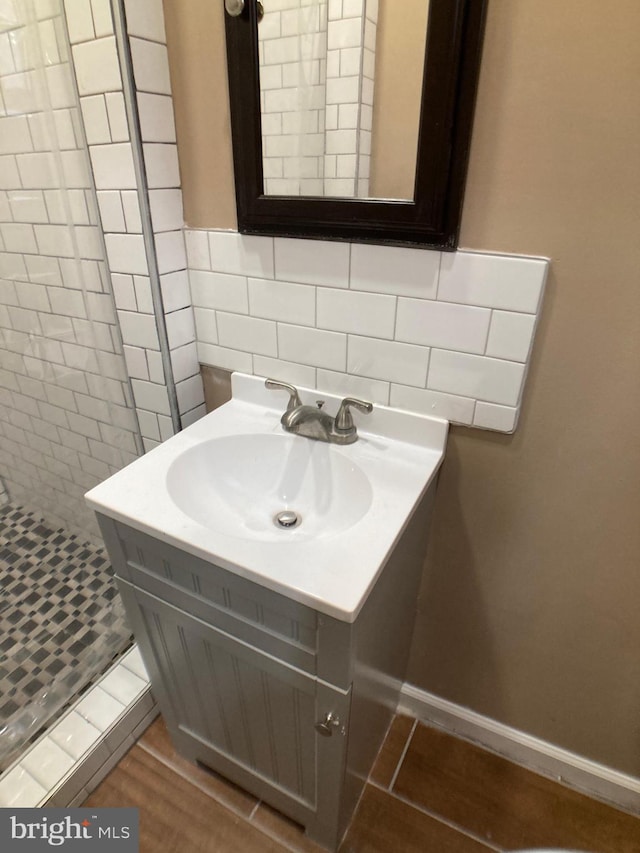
pixel 271 487
pixel 311 520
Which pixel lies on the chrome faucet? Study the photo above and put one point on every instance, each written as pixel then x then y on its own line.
pixel 313 422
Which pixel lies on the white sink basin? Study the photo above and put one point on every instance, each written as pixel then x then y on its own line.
pixel 213 491
pixel 239 485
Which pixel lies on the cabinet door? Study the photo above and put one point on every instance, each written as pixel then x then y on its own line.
pixel 242 712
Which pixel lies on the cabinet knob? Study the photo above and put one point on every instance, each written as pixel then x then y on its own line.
pixel 325 727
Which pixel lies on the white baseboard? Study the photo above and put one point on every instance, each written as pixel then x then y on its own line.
pixel 590 777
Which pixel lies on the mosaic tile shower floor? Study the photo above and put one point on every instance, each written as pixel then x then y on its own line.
pixel 61 623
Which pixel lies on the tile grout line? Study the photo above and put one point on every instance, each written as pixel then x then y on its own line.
pixel 402 756
pixel 461 830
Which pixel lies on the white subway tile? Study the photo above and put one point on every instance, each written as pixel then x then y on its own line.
pixel 170 251
pixel 156 118
pixel 396 270
pixel 494 281
pixel 166 209
pixel 241 254
pixel 113 166
pixel 102 17
pixel 15 137
pixel 146 20
pixel 123 685
pixel 9 174
pixel 312 262
pixel 344 33
pixel 142 286
pixel 360 313
pixel 124 292
pixel 37 171
pixel 138 330
pixel 151 397
pixel 373 390
pixel 54 240
pixel 126 253
pixel 148 426
pixel 96 121
pixel 188 418
pixel 19 237
pixel 97 67
pixel 215 290
pixel 27 206
pixel 510 335
pixel 247 333
pixel 111 212
pixel 33 296
pixel 226 358
pixel 284 371
pixel 175 291
pixel 156 367
pixel 206 326
pixel 99 708
pixel 388 360
pixel 180 327
pixel 79 20
pixel 491 416
pixel 314 347
pixel 161 163
pixel 487 379
pixel 136 360
pixel 18 789
pixel 190 393
pixel 289 303
pixel 131 210
pixel 150 66
pixel 435 403
pixel 117 117
pixel 184 361
pixel 47 763
pixel 74 734
pixel 437 324
pixel 197 243
pixel 68 303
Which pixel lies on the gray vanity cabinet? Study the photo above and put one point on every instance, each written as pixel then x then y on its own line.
pixel 285 701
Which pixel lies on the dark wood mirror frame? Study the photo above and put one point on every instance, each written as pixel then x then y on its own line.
pixel 432 218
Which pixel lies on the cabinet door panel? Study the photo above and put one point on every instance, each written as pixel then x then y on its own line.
pixel 239 703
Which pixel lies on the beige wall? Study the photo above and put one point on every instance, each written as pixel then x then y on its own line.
pixel 529 610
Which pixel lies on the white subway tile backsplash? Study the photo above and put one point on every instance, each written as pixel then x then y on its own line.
pixel 369 314
pixel 96 121
pixel 395 270
pixel 492 416
pixel 117 117
pixel 495 281
pixel 373 390
pixel 138 330
pixel 312 262
pixel 315 347
pixel 175 291
pixel 388 360
pixel 435 403
pixel 166 209
pixel 79 20
pixel 247 333
pixel 226 358
pixel 488 379
pixel 216 290
pixel 206 326
pixel 131 208
pixel 170 251
pixel 438 324
pixel 126 253
pixel 510 335
pixel 151 397
pixel 103 24
pixel 276 300
pixel 184 361
pixel 161 164
pixel 284 371
pixel 197 245
pixel 180 327
pixel 241 254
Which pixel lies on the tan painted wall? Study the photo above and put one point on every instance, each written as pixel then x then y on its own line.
pixel 529 611
pixel 397 96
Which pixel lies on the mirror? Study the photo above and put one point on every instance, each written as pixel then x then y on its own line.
pixel 351 119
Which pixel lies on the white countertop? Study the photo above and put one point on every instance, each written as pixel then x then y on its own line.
pixel 333 572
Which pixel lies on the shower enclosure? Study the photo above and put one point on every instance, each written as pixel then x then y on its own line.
pixel 67 419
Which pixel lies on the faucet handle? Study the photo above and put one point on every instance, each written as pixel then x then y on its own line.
pixel 294 397
pixel 344 421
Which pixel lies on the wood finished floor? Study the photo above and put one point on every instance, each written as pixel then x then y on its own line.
pixel 428 793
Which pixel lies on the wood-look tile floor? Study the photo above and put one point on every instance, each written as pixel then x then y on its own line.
pixel 428 793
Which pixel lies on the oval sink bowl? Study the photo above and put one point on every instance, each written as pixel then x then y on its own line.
pixel 239 485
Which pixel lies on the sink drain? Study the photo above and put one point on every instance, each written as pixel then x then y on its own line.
pixel 287 519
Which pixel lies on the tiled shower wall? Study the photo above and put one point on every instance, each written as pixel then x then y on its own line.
pixel 65 404
pixel 448 334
